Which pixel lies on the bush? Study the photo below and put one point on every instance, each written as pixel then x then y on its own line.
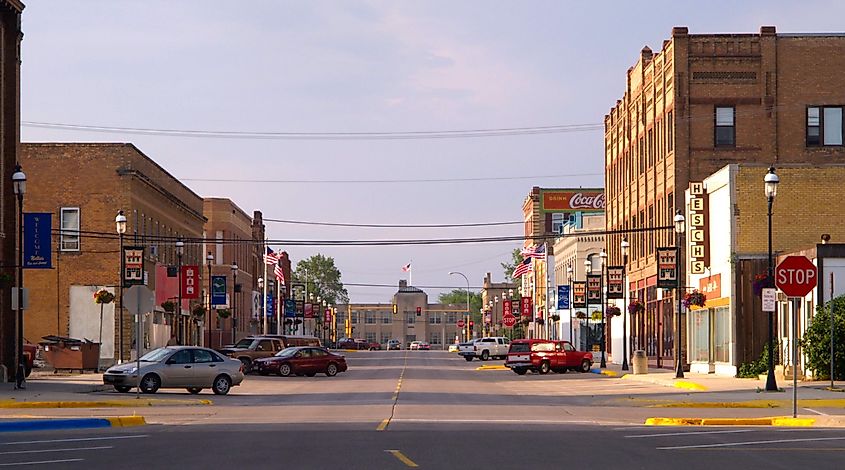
pixel 751 370
pixel 816 341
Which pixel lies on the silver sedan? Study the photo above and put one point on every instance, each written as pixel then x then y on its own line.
pixel 189 367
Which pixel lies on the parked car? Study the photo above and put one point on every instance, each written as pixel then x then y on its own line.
pixel 424 346
pixel 251 348
pixel 415 345
pixel 302 361
pixel 358 344
pixel 485 348
pixel 453 348
pixel 542 356
pixel 189 367
pixel 394 344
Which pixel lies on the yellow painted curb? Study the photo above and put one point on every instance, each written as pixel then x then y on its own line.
pixel 795 422
pixel 806 403
pixel 688 385
pixel 100 404
pixel 126 421
pixel 772 421
pixel 610 373
pixel 492 368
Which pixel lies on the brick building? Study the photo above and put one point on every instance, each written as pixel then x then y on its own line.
pixel 10 122
pixel 701 102
pixel 493 294
pixel 105 178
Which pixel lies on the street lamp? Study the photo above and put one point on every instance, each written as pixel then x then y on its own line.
pixel 263 313
pixel 571 327
pixel 209 259
pixel 588 269
pixel 467 280
pixel 180 324
pixel 234 297
pixel 603 303
pixel 120 225
pixel 624 247
pixel 19 186
pixel 771 181
pixel 680 227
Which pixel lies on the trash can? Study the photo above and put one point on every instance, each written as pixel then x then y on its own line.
pixel 640 362
pixel 71 353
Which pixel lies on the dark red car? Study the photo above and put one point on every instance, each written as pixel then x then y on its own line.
pixel 359 344
pixel 301 360
pixel 542 355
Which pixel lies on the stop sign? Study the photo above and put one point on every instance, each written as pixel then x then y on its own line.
pixel 796 276
pixel 509 320
pixel 461 323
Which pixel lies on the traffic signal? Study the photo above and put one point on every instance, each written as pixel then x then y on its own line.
pixel 471 325
pixel 419 311
pixel 395 309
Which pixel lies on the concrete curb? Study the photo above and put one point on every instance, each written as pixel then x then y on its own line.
pixel 130 402
pixel 771 421
pixel 803 403
pixel 606 372
pixel 685 384
pixel 73 423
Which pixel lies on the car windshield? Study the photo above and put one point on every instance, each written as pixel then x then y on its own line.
pixel 287 352
pixel 520 347
pixel 244 343
pixel 156 355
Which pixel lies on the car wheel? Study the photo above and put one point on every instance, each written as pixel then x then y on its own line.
pixel 194 390
pixel 311 374
pixel 222 385
pixel 485 355
pixel 285 370
pixel 468 358
pixel 585 366
pixel 150 383
pixel 331 370
pixel 122 388
pixel 247 364
pixel 544 368
pixel 520 371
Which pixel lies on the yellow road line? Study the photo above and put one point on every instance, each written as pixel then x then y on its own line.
pixel 402 458
pixel 383 425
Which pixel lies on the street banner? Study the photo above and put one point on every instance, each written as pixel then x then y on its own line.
pixel 579 294
pixel 309 310
pixel 290 308
pixel 218 291
pixel 594 288
pixel 190 282
pixel 300 308
pixel 507 307
pixel 563 297
pixel 37 242
pixel 615 282
pixel 667 267
pixel 271 306
pixel 327 316
pixel 256 305
pixel 525 306
pixel 133 266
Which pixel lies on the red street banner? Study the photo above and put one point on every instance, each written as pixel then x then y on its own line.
pixel 328 315
pixel 190 282
pixel 525 306
pixel 507 307
pixel 309 311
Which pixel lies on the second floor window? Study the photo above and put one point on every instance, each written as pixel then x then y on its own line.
pixel 70 229
pixel 824 125
pixel 725 135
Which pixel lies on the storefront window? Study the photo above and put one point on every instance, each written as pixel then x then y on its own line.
pixel 699 335
pixel 722 334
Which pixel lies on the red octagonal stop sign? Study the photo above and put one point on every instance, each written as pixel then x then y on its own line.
pixel 796 276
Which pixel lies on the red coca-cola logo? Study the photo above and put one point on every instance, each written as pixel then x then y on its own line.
pixel 580 201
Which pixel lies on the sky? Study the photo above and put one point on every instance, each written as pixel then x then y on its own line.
pixel 322 66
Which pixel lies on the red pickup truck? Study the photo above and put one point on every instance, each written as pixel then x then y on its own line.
pixel 543 355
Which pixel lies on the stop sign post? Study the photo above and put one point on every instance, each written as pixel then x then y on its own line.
pixel 796 276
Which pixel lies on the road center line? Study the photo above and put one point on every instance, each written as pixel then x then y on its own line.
pixel 402 458
pixel 77 439
pixel 40 462
pixel 14 452
pixel 395 398
pixel 751 443
pixel 636 436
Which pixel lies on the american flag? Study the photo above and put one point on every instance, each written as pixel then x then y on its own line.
pixel 406 268
pixel 271 258
pixel 534 251
pixel 280 274
pixel 522 268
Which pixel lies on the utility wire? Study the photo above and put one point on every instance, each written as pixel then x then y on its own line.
pixel 390 181
pixel 341 224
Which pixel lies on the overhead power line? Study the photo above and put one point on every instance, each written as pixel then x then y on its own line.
pixel 390 181
pixel 341 224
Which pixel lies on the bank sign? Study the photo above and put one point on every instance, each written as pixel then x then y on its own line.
pixel 572 200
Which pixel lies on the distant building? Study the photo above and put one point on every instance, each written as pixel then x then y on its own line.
pixel 493 294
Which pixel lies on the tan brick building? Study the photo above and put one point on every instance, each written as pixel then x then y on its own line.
pixel 10 123
pixel 700 102
pixel 84 185
pixel 492 296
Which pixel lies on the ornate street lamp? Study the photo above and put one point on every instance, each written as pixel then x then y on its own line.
pixel 603 304
pixel 624 247
pixel 234 298
pixel 209 260
pixel 771 181
pixel 120 225
pixel 680 227
pixel 180 324
pixel 19 186
pixel 571 327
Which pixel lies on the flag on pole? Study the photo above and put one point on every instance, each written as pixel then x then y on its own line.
pixel 534 251
pixel 271 258
pixel 406 268
pixel 280 274
pixel 523 268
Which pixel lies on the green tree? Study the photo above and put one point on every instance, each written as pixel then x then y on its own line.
pixel 507 268
pixel 459 297
pixel 816 341
pixel 323 278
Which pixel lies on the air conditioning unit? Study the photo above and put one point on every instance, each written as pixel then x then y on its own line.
pixel 154 250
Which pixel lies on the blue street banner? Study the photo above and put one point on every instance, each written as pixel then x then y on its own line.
pixel 218 290
pixel 271 305
pixel 37 249
pixel 563 297
pixel 290 308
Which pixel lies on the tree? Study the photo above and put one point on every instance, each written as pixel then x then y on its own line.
pixel 459 297
pixel 323 278
pixel 516 259
pixel 816 341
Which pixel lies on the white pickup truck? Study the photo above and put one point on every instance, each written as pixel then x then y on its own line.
pixel 485 348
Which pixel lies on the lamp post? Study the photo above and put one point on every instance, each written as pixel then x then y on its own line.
pixel 180 325
pixel 467 280
pixel 263 313
pixel 588 269
pixel 569 281
pixel 624 247
pixel 234 297
pixel 680 227
pixel 120 225
pixel 603 303
pixel 209 259
pixel 771 181
pixel 19 186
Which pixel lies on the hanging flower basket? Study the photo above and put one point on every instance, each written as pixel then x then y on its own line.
pixel 555 317
pixel 103 296
pixel 596 316
pixel 636 307
pixel 168 306
pixel 540 321
pixel 761 281
pixel 198 311
pixel 613 311
pixel 694 298
pixel 581 315
pixel 224 313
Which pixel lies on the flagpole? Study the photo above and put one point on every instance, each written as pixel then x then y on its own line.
pixel 279 304
pixel 411 273
pixel 266 281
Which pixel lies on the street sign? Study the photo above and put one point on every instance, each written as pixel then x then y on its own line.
pixel 461 324
pixel 770 297
pixel 133 265
pixel 190 282
pixel 218 291
pixel 37 248
pixel 563 297
pixel 509 321
pixel 138 299
pixel 796 276
pixel 667 268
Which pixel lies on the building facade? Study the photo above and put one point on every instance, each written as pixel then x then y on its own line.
pixel 493 294
pixel 701 102
pixel 106 178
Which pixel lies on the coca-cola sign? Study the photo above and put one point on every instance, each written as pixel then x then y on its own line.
pixel 572 200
